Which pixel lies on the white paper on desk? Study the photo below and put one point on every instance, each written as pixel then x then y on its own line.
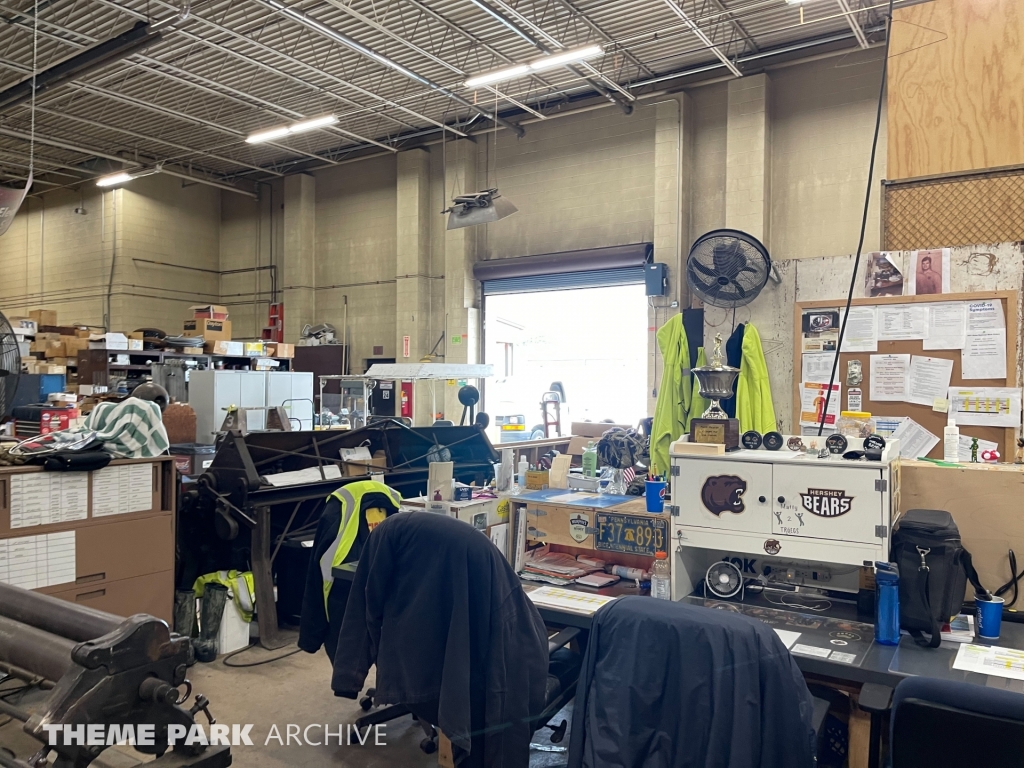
pixel 861 330
pixel 947 325
pixel 985 315
pixel 889 377
pixel 902 321
pixel 963 448
pixel 984 355
pixel 817 366
pixel 787 637
pixel 929 379
pixel 990 660
pixel 915 440
pixel 985 406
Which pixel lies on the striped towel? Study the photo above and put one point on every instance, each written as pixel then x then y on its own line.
pixel 131 429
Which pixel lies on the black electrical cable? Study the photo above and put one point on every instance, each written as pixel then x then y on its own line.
pixel 864 217
pixel 256 663
pixel 1012 583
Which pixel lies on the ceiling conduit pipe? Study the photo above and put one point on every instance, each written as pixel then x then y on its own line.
pixel 355 45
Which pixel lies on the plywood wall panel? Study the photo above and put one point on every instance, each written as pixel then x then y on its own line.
pixel 955 96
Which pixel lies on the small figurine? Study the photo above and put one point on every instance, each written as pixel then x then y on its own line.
pixel 974 450
pixel 1018 456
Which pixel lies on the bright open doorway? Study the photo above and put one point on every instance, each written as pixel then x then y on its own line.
pixel 592 340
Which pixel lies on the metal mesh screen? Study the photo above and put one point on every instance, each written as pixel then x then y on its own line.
pixel 956 210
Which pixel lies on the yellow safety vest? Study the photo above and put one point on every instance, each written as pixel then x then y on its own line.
pixel 238 583
pixel 351 496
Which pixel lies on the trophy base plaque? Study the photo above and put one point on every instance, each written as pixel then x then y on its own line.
pixel 721 431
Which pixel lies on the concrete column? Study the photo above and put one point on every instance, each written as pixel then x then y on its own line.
pixel 748 157
pixel 671 222
pixel 298 258
pixel 413 269
pixel 462 338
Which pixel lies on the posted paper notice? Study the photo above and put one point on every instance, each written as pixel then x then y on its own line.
pixel 984 355
pixel 812 403
pixel 929 379
pixel 861 330
pixel 817 366
pixel 947 325
pixel 902 321
pixel 985 315
pixel 985 406
pixel 889 377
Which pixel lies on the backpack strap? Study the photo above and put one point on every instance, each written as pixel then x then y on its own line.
pixel 925 572
pixel 972 576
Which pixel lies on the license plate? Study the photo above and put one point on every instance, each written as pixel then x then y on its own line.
pixel 631 534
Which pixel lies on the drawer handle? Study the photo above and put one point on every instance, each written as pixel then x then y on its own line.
pixel 90 595
pixel 782 499
pixel 91 577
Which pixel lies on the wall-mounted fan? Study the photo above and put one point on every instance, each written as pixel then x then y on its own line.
pixel 728 268
pixel 723 579
pixel 10 367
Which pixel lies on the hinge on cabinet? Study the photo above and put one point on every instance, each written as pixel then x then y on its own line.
pixel 881 531
pixel 673 510
pixel 674 471
pixel 882 485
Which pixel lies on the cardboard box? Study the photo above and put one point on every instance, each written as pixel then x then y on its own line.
pixel 577 444
pixel 228 348
pixel 480 513
pixel 358 461
pixel 191 350
pixel 38 347
pixel 29 327
pixel 43 316
pixel 536 479
pixel 83 333
pixel 47 336
pixel 255 349
pixel 137 335
pixel 56 349
pixel 281 350
pixel 135 345
pixel 594 429
pixel 209 311
pixel 210 330
pixel 108 341
pixel 73 344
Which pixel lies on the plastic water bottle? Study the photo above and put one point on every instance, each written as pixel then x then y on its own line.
pixel 590 460
pixel 661 586
pixel 887 604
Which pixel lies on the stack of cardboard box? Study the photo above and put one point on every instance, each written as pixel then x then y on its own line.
pixel 45 346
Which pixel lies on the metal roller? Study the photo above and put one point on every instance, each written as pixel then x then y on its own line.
pixel 58 617
pixel 34 649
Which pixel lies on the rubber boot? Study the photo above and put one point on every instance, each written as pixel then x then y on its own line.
pixel 215 598
pixel 185 619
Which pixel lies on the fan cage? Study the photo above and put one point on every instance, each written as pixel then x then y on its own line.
pixel 10 366
pixel 727 268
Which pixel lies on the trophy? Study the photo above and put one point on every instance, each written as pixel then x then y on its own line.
pixel 716 383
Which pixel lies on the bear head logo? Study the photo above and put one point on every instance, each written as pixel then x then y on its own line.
pixel 723 493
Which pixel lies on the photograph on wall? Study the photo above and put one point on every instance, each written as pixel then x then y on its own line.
pixel 928 273
pixel 884 277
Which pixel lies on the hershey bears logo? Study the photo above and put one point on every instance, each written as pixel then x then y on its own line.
pixel 825 502
pixel 723 493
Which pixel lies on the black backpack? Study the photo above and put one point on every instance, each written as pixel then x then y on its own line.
pixel 934 569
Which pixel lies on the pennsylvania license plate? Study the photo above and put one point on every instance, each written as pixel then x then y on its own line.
pixel 631 534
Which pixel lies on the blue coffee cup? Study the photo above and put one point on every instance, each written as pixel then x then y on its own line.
pixel 990 617
pixel 655 495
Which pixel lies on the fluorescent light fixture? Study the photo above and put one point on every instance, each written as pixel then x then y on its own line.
pixel 113 178
pixel 286 130
pixel 795 2
pixel 268 135
pixel 312 123
pixel 497 76
pixel 566 57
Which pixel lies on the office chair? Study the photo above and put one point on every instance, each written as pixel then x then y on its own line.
pixel 942 724
pixel 563 675
pixel 661 682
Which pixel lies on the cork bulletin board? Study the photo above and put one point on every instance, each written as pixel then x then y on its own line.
pixel 933 421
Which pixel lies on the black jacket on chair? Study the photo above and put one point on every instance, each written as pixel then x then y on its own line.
pixel 672 685
pixel 442 614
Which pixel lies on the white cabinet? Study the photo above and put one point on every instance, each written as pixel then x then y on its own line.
pixel 715 495
pixel 212 392
pixel 294 391
pixel 842 503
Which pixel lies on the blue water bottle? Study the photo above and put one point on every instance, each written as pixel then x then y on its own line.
pixel 887 604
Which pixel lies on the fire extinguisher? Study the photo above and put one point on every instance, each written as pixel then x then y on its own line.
pixel 407 399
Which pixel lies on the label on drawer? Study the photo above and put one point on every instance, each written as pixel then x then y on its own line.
pixel 32 562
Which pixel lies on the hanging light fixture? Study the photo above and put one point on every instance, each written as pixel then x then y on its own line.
pixel 558 59
pixel 287 130
pixel 478 208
